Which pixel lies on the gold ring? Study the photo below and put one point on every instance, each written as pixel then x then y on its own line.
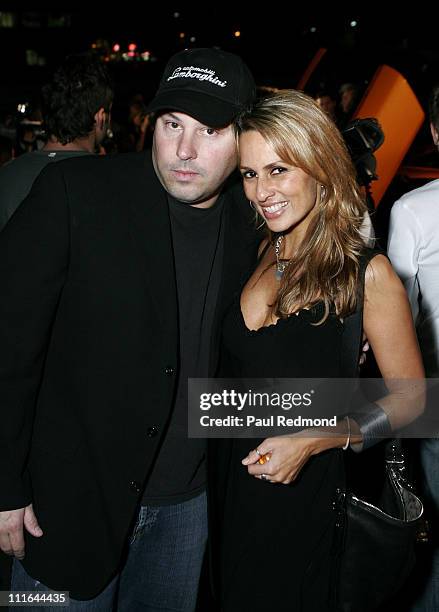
pixel 264 458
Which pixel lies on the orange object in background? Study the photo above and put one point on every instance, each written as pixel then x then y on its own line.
pixel 390 99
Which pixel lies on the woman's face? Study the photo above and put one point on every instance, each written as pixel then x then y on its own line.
pixel 284 195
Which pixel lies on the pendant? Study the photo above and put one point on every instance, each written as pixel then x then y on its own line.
pixel 280 268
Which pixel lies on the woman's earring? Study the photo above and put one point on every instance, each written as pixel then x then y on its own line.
pixel 252 206
pixel 322 192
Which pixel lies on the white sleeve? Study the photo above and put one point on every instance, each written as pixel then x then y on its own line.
pixel 367 232
pixel 403 247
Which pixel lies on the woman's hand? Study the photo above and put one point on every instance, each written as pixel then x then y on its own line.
pixel 285 456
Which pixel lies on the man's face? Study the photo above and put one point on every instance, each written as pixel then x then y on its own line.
pixel 192 160
pixel 327 104
pixel 346 101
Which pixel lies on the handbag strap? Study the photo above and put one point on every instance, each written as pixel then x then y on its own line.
pixel 352 341
pixel 353 324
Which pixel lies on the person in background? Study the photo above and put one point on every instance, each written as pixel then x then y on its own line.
pixel 413 248
pixel 349 97
pixel 328 103
pixel 76 106
pixel 141 123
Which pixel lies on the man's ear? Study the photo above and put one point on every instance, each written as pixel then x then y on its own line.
pixel 100 118
pixel 435 134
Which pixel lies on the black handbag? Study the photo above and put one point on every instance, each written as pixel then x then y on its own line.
pixel 375 545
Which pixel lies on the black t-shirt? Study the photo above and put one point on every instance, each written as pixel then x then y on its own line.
pixel 179 472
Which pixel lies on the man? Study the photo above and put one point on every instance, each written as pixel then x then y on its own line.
pixel 349 98
pixel 328 103
pixel 76 105
pixel 414 252
pixel 115 275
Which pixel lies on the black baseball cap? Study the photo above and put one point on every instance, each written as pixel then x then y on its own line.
pixel 210 85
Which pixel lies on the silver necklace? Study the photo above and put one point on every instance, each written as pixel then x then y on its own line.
pixel 281 264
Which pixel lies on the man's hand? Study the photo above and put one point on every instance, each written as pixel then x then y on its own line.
pixel 11 530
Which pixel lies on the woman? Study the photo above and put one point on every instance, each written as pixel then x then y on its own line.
pixel 276 541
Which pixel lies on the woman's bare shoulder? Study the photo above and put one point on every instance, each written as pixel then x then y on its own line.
pixel 380 276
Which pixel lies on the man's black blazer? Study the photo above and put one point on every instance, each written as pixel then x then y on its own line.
pixel 89 355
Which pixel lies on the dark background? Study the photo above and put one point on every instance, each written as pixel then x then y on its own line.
pixel 275 40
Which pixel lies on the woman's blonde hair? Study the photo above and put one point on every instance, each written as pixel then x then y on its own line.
pixel 326 265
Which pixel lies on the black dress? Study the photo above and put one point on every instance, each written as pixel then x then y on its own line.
pixel 276 540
